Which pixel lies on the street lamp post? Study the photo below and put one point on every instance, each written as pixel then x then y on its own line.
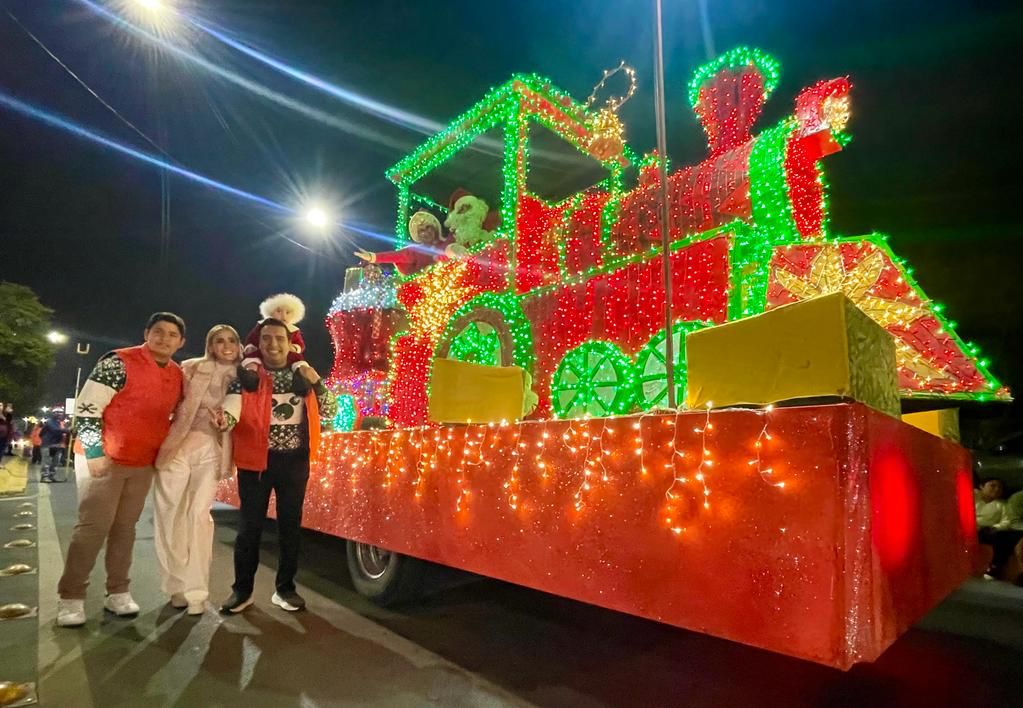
pixel 82 349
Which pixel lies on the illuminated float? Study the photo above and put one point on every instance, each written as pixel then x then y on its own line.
pixel 820 531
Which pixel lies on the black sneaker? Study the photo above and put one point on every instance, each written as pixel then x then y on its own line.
pixel 236 603
pixel 288 600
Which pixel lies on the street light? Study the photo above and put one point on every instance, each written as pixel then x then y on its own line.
pixel 316 218
pixel 160 15
pixel 56 337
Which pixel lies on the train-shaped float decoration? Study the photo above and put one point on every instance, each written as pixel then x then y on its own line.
pixel 569 285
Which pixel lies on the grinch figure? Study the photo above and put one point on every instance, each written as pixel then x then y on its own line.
pixel 429 246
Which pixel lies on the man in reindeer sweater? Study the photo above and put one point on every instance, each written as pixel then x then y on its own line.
pixel 124 412
pixel 275 431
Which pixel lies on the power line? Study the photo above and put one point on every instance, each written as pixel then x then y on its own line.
pixel 84 85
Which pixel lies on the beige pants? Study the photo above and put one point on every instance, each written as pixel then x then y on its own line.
pixel 108 509
pixel 182 497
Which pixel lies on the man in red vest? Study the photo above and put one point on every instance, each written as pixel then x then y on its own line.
pixel 276 429
pixel 123 412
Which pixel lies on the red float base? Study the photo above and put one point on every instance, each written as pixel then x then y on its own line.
pixel 849 527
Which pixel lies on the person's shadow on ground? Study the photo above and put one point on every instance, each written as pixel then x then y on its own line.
pixel 301 659
pixel 119 657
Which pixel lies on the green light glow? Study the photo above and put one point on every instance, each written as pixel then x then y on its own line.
pixel 346 413
pixel 511 311
pixel 595 378
pixel 651 369
pixel 735 59
pixel 477 343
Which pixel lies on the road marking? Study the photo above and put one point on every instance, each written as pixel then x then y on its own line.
pixel 56 657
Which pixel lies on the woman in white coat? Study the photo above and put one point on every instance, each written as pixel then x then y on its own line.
pixel 193 459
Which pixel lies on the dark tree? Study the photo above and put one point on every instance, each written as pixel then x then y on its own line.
pixel 25 353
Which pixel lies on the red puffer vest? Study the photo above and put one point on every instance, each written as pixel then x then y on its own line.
pixel 137 419
pixel 251 435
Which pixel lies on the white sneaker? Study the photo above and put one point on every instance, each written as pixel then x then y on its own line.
pixel 70 613
pixel 294 603
pixel 178 601
pixel 121 604
pixel 196 608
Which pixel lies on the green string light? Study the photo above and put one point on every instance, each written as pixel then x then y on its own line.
pixel 595 378
pixel 511 311
pixel 651 369
pixel 736 59
pixel 475 345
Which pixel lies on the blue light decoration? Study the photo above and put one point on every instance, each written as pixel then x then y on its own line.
pixel 381 294
pixel 346 413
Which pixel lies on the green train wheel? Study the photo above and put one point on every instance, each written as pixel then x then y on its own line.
pixel 651 367
pixel 594 378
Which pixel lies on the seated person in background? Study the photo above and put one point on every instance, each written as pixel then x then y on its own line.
pixel 988 503
pixel 1007 534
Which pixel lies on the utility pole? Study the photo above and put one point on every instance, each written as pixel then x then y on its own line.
pixel 82 349
pixel 662 156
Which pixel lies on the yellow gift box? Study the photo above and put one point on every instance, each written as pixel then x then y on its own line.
pixel 819 348
pixel 944 423
pixel 462 392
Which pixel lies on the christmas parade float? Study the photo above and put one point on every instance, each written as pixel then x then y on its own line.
pixel 521 368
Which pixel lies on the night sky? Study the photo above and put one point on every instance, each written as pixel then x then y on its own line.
pixel 105 241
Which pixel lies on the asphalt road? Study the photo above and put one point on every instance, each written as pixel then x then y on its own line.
pixel 475 642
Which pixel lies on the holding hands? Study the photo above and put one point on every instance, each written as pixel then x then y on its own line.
pixel 218 420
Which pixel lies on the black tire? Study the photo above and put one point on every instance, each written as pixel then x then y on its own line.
pixel 383 577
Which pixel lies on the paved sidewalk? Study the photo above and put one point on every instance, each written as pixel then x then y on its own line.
pixel 479 643
pixel 18 636
pixel 325 656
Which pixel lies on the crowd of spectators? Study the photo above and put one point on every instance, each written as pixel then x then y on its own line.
pixel 1000 526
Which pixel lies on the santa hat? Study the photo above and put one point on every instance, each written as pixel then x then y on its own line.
pixel 267 307
pixel 493 217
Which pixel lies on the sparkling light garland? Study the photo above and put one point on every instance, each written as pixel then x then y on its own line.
pixel 596 456
pixel 380 295
pixel 737 58
pixel 586 269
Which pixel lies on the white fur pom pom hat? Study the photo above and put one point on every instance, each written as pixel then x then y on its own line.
pixel 286 300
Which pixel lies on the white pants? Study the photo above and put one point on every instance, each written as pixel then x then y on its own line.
pixel 182 496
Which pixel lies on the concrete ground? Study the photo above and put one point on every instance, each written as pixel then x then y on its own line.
pixel 471 643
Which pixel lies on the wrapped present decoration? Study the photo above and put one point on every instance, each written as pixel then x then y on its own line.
pixel 815 350
pixel 463 392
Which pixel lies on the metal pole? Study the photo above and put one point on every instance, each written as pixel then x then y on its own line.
pixel 71 429
pixel 662 154
pixel 708 38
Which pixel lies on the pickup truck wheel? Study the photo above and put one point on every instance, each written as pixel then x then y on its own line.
pixel 384 577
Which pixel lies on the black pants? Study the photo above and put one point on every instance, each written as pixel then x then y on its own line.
pixel 286 475
pixel 37 455
pixel 1003 544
